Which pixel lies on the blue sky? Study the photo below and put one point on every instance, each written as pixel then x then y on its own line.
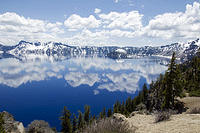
pixel 100 22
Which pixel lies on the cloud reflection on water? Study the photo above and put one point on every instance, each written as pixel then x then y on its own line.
pixel 105 73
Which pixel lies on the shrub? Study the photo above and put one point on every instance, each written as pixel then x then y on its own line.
pixel 39 126
pixel 194 93
pixel 194 111
pixel 179 107
pixel 162 116
pixel 108 125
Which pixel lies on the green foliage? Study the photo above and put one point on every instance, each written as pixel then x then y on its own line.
pixel 129 104
pixel 144 93
pixel 80 121
pixel 109 113
pixel 173 84
pixel 65 121
pixel 116 107
pixel 87 114
pixel 102 114
pixel 74 123
pixel 194 93
pixel 192 76
pixel 1 123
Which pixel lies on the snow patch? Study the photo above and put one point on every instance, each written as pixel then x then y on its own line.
pixel 121 51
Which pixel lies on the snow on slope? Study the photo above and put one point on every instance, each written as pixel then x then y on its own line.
pixel 183 50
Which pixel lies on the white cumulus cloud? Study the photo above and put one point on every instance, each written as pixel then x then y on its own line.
pixel 14 27
pixel 116 1
pixel 112 28
pixel 77 22
pixel 97 10
pixel 176 25
pixel 126 20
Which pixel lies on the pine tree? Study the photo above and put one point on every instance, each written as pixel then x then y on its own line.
pixel 93 118
pixel 145 93
pixel 128 105
pixel 74 123
pixel 65 121
pixel 104 112
pixel 101 116
pixel 109 113
pixel 172 84
pixel 80 121
pixel 122 108
pixel 87 114
pixel 1 124
pixel 116 107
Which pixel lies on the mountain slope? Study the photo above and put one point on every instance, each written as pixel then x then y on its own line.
pixel 183 51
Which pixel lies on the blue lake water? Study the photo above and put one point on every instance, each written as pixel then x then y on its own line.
pixel 39 88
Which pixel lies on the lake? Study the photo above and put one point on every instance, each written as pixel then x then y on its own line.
pixel 39 88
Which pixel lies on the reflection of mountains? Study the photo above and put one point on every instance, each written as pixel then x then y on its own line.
pixel 105 73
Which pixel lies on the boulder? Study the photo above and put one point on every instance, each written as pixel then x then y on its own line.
pixel 10 125
pixel 119 117
pixel 39 126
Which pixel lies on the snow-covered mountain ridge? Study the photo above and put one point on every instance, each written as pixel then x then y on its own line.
pixel 183 50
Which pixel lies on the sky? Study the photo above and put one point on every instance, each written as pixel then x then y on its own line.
pixel 100 22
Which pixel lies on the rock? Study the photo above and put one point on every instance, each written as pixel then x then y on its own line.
pixel 39 126
pixel 119 117
pixel 141 106
pixel 10 125
pixel 132 114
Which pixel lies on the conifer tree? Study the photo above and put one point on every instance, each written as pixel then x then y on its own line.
pixel 80 121
pixel 87 114
pixel 145 93
pixel 122 108
pixel 65 121
pixel 128 104
pixel 109 112
pixel 1 124
pixel 93 118
pixel 104 112
pixel 101 116
pixel 116 107
pixel 74 123
pixel 172 84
